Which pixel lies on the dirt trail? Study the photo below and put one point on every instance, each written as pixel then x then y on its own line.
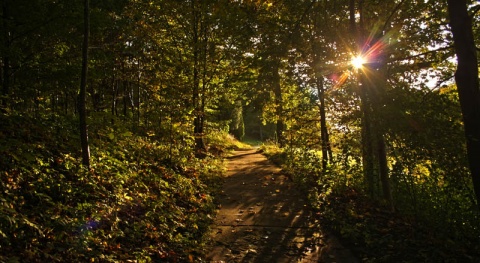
pixel 263 218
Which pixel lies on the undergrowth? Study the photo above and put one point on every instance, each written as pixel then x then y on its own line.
pixel 137 202
pixel 368 227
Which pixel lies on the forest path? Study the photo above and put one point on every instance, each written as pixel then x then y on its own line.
pixel 262 218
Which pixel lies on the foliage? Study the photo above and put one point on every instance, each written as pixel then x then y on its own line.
pixel 237 126
pixel 221 143
pixel 411 106
pixel 133 204
pixel 376 234
pixel 369 228
pixel 274 153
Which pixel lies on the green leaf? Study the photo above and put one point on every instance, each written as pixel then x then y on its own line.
pixel 127 134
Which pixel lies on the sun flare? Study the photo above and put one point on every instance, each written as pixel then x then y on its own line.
pixel 358 61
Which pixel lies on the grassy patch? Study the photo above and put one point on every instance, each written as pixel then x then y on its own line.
pixel 274 153
pixel 221 143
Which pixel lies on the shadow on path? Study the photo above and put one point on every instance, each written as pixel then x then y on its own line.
pixel 262 218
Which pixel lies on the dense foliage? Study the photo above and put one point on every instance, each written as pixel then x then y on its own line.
pixel 389 172
pixel 134 203
pixel 436 232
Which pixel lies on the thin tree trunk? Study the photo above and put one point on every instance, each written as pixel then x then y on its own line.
pixel 125 99
pixel 277 90
pixel 323 124
pixel 203 91
pixel 324 137
pixel 139 93
pixel 83 87
pixel 353 27
pixel 196 100
pixel 467 81
pixel 114 97
pixel 65 104
pixel 6 58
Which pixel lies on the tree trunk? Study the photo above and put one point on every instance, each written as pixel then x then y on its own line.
pixel 466 78
pixel 139 93
pixel 83 88
pixel 381 150
pixel 277 90
pixel 367 138
pixel 125 98
pixel 366 105
pixel 6 58
pixel 324 137
pixel 196 100
pixel 325 140
pixel 383 170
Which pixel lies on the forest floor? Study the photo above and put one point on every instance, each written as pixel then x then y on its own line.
pixel 263 217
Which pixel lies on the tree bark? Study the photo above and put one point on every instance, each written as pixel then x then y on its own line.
pixel 324 136
pixel 277 90
pixel 367 137
pixel 365 104
pixel 325 140
pixel 383 170
pixel 83 88
pixel 6 58
pixel 467 81
pixel 196 100
pixel 381 149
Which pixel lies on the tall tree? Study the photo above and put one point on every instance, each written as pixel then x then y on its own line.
pixel 319 46
pixel 466 78
pixel 83 87
pixel 365 98
pixel 5 59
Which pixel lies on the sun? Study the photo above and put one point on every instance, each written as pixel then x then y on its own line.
pixel 358 61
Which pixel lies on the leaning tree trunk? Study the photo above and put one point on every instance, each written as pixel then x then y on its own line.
pixel 466 78
pixel 83 88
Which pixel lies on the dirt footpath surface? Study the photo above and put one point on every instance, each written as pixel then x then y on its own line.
pixel 263 218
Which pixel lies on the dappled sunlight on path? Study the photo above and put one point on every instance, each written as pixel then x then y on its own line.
pixel 262 217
